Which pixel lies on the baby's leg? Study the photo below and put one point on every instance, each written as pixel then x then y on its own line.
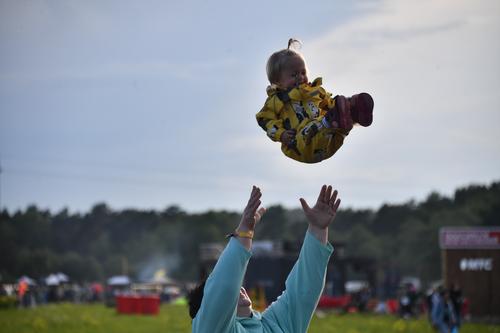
pixel 340 116
pixel 315 142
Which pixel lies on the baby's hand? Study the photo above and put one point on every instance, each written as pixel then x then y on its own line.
pixel 287 137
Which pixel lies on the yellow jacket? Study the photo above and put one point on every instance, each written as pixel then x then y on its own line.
pixel 302 109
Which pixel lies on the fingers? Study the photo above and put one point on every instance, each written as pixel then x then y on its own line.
pixel 321 196
pixel 254 201
pixel 336 205
pixel 254 196
pixel 252 207
pixel 332 198
pixel 258 215
pixel 325 194
pixel 328 193
pixel 305 206
pixel 261 211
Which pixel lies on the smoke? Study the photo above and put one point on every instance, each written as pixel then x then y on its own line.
pixel 155 263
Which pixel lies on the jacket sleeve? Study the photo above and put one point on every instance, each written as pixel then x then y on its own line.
pixel 217 312
pixel 327 101
pixel 268 118
pixel 292 311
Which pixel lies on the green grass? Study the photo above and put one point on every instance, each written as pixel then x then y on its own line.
pixel 174 318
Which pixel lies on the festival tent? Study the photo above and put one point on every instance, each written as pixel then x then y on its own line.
pixel 52 280
pixel 62 277
pixel 56 279
pixel 354 286
pixel 119 280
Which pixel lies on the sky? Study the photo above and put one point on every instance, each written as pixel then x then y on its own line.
pixel 147 104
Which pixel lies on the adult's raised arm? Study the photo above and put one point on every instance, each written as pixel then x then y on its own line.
pixel 217 312
pixel 292 311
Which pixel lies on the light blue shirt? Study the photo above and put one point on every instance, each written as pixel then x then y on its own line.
pixel 292 310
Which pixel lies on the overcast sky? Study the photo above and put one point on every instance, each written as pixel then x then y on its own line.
pixel 145 104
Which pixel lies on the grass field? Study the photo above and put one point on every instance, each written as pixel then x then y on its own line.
pixel 174 318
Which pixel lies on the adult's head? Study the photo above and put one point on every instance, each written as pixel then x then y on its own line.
pixel 194 299
pixel 195 296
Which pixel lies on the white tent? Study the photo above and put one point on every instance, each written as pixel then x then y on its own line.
pixel 62 277
pixel 52 280
pixel 56 279
pixel 119 280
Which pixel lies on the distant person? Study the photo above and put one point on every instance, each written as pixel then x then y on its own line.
pixel 222 305
pixel 443 315
pixel 457 301
pixel 310 124
pixel 450 315
pixel 437 310
pixel 404 304
pixel 22 290
pixel 364 297
pixel 407 301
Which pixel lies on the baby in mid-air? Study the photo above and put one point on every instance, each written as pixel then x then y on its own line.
pixel 302 115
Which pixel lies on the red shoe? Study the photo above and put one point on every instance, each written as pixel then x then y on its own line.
pixel 362 109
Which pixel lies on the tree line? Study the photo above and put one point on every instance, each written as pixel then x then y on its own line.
pixel 100 243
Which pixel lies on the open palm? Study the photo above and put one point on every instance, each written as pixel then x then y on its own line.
pixel 324 211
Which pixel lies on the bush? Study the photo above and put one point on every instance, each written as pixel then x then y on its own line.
pixel 7 302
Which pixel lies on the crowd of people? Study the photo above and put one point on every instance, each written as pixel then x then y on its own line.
pixel 444 307
pixel 25 294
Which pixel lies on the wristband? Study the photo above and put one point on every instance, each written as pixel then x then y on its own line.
pixel 241 234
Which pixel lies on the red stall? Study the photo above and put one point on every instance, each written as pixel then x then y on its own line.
pixel 138 304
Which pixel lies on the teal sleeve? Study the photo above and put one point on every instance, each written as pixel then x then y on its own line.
pixel 293 310
pixel 217 312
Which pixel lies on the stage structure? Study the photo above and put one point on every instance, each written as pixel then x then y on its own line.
pixel 471 259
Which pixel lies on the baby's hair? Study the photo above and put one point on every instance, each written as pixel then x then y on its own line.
pixel 294 44
pixel 278 60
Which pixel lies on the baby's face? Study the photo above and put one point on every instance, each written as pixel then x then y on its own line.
pixel 294 73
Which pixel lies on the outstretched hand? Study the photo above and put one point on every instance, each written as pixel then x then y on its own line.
pixel 252 213
pixel 323 213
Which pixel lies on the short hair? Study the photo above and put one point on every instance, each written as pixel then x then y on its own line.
pixel 194 298
pixel 279 59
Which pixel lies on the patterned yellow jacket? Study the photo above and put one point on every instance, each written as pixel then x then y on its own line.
pixel 302 109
